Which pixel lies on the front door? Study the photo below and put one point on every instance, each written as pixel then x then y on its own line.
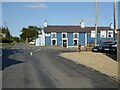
pixel 64 43
pixel 53 42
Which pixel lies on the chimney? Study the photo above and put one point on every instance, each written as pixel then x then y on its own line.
pixel 45 23
pixel 82 24
pixel 111 26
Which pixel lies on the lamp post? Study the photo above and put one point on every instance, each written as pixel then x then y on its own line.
pixel 96 22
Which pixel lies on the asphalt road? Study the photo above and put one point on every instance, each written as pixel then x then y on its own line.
pixel 26 66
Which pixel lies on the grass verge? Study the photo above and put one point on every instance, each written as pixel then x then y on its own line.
pixel 7 44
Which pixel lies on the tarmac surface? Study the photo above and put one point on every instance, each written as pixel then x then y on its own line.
pixel 25 66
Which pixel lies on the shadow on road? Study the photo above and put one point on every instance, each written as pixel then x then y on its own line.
pixel 6 61
pixel 112 56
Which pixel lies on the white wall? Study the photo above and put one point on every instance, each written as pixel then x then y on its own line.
pixel 40 41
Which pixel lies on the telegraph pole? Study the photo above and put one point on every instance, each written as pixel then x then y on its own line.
pixel 114 19
pixel 96 22
pixel 118 45
pixel 118 35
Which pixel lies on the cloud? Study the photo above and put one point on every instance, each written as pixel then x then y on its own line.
pixel 35 6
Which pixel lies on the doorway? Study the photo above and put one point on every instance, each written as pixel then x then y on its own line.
pixel 65 43
pixel 54 42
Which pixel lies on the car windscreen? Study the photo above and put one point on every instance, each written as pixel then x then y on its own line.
pixel 104 43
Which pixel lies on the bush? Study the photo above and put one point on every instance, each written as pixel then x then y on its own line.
pixel 16 39
pixel 6 40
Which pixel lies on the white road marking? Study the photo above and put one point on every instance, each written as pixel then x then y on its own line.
pixel 31 53
pixel 17 48
pixel 20 48
pixel 12 48
pixel 37 50
pixel 1 54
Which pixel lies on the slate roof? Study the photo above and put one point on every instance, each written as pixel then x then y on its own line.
pixel 76 29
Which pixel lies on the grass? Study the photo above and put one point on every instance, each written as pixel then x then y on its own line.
pixel 8 44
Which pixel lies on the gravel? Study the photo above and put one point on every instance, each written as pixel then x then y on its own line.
pixel 96 61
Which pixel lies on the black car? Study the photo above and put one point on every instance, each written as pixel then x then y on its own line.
pixel 100 47
pixel 97 48
pixel 110 48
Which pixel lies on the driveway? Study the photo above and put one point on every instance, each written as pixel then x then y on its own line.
pixel 39 67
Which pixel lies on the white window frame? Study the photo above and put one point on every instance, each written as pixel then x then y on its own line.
pixel 74 35
pixel 108 34
pixel 65 39
pixel 52 35
pixel 92 36
pixel 101 34
pixel 47 34
pixel 64 33
pixel 77 41
pixel 52 40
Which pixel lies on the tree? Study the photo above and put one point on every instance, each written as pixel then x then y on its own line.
pixel 5 35
pixel 30 33
pixel 6 32
pixel 16 39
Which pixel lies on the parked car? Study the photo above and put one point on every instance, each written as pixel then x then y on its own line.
pixel 32 42
pixel 110 47
pixel 97 49
pixel 100 47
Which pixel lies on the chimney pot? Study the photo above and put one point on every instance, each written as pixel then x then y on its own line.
pixel 111 25
pixel 45 23
pixel 82 24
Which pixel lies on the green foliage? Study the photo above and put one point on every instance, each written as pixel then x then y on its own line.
pixel 6 40
pixel 7 44
pixel 16 39
pixel 5 36
pixel 30 33
pixel 6 32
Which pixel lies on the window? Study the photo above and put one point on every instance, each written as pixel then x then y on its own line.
pixel 47 34
pixel 103 34
pixel 75 42
pixel 53 35
pixel 64 35
pixel 110 34
pixel 75 35
pixel 92 34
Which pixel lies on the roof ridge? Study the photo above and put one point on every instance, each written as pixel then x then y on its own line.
pixel 77 26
